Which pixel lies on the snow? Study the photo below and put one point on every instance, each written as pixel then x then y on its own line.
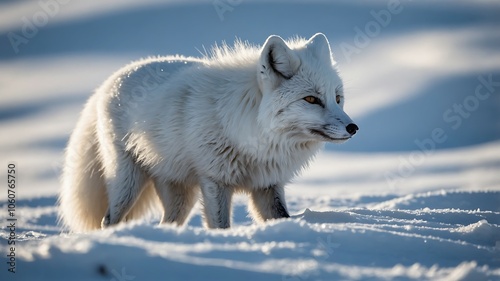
pixel 414 196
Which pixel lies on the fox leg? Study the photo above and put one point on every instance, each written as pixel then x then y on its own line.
pixel 177 201
pixel 124 183
pixel 268 203
pixel 216 204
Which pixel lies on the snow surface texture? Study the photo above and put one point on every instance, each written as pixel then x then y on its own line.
pixel 414 196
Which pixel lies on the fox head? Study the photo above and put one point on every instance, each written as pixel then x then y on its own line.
pixel 302 93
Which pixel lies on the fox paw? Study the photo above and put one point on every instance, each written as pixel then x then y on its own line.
pixel 105 221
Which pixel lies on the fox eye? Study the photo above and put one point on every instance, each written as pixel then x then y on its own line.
pixel 337 98
pixel 311 99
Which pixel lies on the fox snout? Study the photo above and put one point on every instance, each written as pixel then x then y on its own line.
pixel 341 126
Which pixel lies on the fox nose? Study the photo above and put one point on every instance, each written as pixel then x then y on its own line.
pixel 351 128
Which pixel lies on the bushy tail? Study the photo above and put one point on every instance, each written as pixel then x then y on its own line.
pixel 83 199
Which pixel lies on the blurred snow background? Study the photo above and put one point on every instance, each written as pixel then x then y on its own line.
pixel 414 196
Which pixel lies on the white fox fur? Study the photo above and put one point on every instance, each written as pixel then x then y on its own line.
pixel 243 119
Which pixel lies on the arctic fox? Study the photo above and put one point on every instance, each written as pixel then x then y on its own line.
pixel 243 119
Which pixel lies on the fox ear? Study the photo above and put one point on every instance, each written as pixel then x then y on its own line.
pixel 278 58
pixel 318 45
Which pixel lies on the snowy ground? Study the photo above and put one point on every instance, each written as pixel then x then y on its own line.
pixel 414 196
